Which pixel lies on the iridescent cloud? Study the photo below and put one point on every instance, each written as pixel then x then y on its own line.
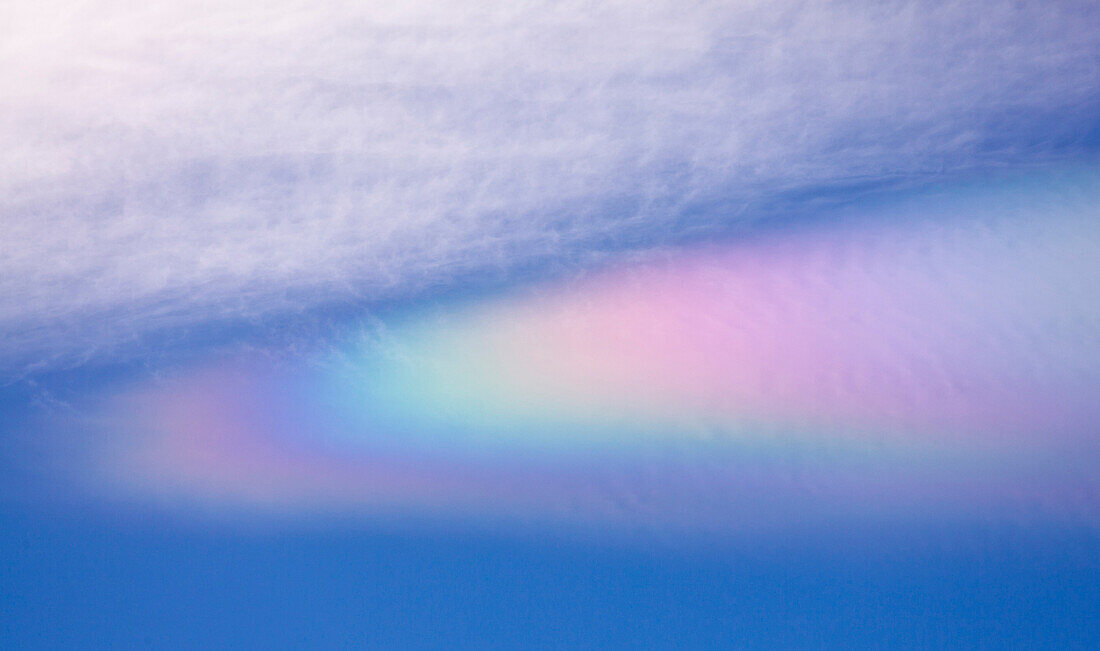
pixel 931 356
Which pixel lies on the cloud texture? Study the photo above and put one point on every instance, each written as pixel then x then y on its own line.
pixel 167 163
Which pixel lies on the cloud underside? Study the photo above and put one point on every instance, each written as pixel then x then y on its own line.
pixel 168 163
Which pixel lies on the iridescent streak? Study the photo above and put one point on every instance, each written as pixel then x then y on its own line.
pixel 934 355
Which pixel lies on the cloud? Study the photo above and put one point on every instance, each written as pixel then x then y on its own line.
pixel 169 163
pixel 934 358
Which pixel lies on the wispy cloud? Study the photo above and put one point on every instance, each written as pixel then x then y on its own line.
pixel 166 163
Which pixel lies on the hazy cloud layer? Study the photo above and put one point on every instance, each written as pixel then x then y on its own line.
pixel 170 162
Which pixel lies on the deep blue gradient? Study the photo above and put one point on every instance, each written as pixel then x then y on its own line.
pixel 92 583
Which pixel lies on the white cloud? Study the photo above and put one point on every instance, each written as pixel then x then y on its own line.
pixel 169 162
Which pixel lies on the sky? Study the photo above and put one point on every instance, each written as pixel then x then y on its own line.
pixel 647 324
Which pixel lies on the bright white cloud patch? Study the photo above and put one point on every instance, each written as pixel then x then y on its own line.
pixel 170 162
